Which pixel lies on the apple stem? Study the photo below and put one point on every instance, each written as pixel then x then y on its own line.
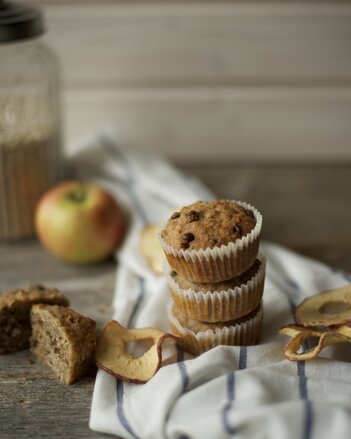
pixel 78 193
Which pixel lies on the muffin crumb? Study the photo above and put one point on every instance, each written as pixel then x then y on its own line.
pixel 64 340
pixel 15 309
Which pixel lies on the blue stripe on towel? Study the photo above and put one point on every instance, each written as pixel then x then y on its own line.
pixel 308 414
pixel 292 306
pixel 303 392
pixel 293 284
pixel 182 369
pixel 226 409
pixel 243 357
pixel 231 391
pixel 137 302
pixel 184 385
pixel 303 379
pixel 231 387
pixel 120 386
pixel 120 410
pixel 308 421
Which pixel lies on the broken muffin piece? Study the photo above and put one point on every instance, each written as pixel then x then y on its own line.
pixel 15 309
pixel 64 340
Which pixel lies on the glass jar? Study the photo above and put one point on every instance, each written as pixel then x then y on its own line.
pixel 30 131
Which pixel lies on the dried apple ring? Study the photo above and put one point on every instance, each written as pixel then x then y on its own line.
pixel 151 249
pixel 328 308
pixel 112 352
pixel 324 338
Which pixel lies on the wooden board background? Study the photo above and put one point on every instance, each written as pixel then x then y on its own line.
pixel 209 81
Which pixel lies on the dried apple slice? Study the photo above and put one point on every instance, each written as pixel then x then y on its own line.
pixel 323 338
pixel 112 352
pixel 328 308
pixel 151 249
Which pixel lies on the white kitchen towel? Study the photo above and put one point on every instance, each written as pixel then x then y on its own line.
pixel 230 391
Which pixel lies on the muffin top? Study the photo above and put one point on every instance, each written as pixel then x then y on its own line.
pixel 197 326
pixel 187 284
pixel 208 224
pixel 34 293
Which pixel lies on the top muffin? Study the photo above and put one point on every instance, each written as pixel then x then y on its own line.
pixel 208 224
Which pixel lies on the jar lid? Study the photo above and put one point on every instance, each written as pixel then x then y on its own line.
pixel 19 22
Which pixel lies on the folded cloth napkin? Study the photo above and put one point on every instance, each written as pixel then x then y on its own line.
pixel 246 392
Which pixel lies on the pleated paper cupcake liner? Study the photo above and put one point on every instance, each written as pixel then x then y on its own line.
pixel 242 334
pixel 220 306
pixel 211 265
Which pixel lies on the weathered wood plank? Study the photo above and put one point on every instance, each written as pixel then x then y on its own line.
pixel 227 123
pixel 171 76
pixel 206 43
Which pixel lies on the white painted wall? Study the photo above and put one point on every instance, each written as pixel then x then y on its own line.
pixel 209 80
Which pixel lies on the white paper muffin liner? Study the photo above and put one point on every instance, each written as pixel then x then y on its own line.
pixel 242 334
pixel 220 306
pixel 211 265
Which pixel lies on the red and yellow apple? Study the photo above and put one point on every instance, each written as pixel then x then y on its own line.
pixel 79 222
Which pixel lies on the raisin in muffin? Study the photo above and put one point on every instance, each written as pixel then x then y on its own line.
pixel 15 309
pixel 222 301
pixel 64 340
pixel 197 337
pixel 209 242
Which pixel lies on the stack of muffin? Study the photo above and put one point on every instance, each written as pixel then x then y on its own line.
pixel 217 276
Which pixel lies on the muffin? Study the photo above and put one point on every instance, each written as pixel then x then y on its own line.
pixel 64 340
pixel 197 337
pixel 222 301
pixel 15 309
pixel 214 241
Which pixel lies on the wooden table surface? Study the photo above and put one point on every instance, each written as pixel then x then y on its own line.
pixel 305 208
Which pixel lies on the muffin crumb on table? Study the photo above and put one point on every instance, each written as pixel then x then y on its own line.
pixel 64 340
pixel 15 309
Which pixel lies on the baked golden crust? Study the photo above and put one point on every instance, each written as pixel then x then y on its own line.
pixel 187 284
pixel 197 337
pixel 198 326
pixel 220 302
pixel 15 309
pixel 64 340
pixel 34 293
pixel 208 224
pixel 216 270
pixel 215 243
